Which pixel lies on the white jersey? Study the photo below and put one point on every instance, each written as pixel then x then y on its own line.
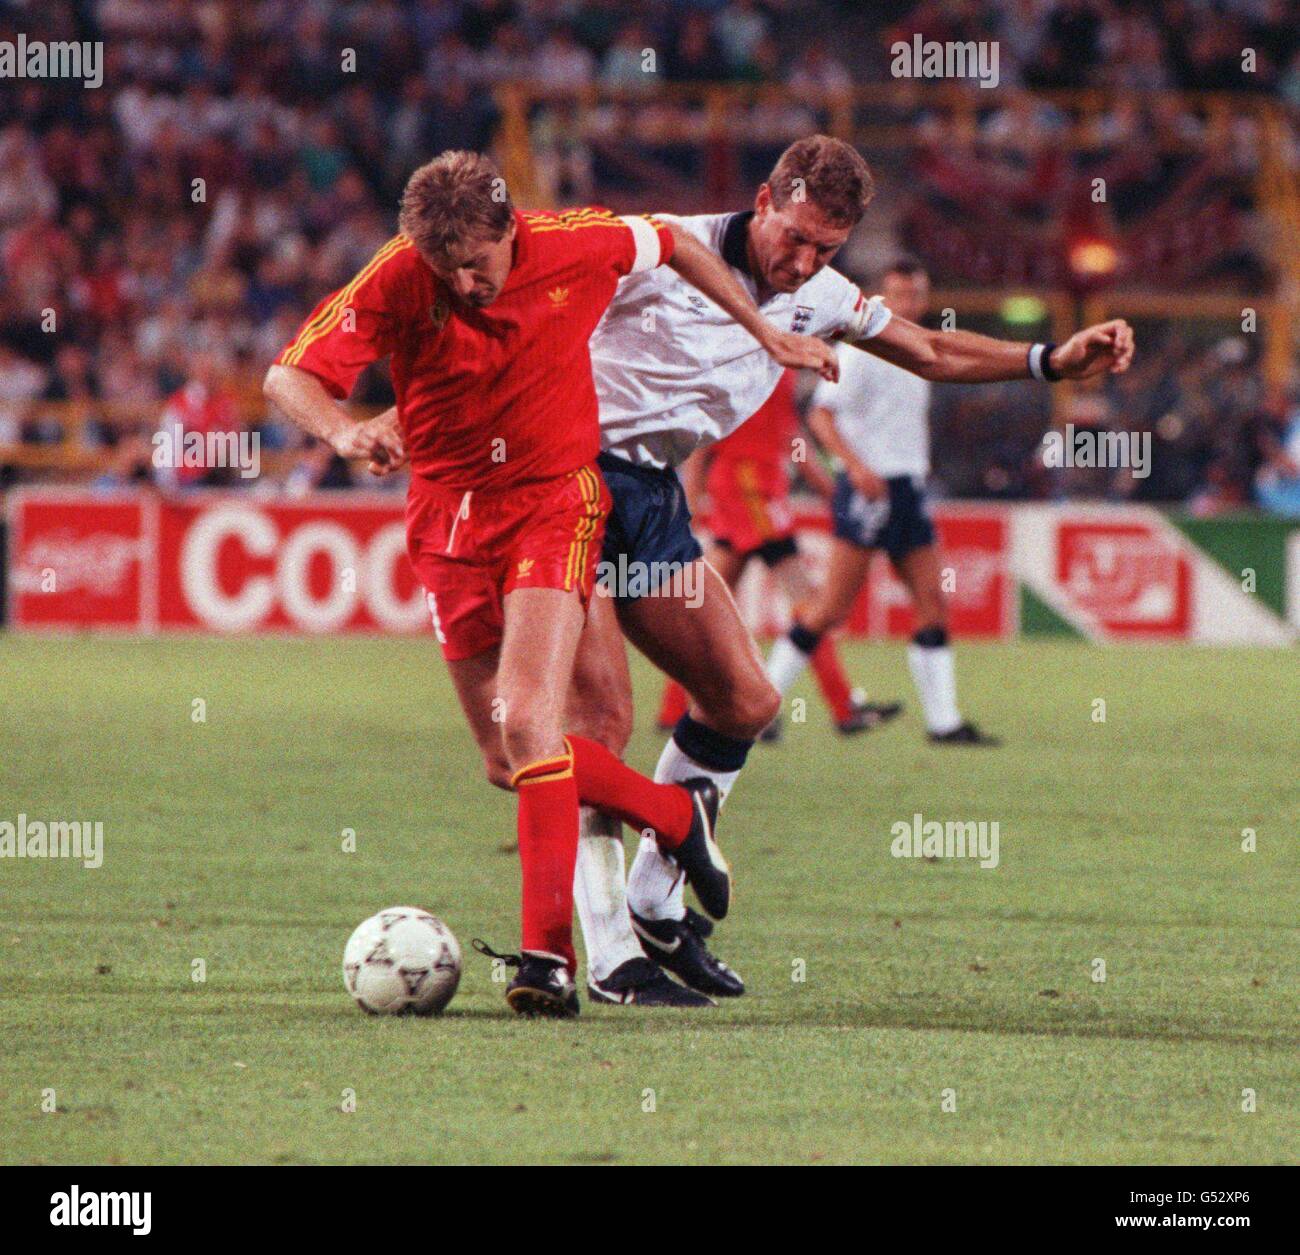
pixel 881 412
pixel 673 371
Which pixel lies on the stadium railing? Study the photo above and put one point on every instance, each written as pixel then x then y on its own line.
pixel 77 455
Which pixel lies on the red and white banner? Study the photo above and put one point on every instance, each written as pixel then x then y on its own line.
pixel 220 563
pixel 233 563
pixel 1128 576
pixel 230 562
pixel 975 575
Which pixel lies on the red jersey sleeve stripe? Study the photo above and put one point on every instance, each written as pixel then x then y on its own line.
pixel 566 215
pixel 574 219
pixel 332 314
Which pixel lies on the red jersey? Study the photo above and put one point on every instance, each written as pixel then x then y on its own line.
pixel 767 436
pixel 490 397
pixel 193 408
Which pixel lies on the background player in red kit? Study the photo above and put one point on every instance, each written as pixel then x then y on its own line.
pixel 746 477
pixel 485 313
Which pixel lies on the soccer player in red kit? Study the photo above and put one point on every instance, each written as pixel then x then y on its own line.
pixel 747 481
pixel 485 313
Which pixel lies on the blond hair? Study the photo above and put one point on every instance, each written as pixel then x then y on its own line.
pixel 456 196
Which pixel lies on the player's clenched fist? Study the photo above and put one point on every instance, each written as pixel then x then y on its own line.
pixel 378 440
pixel 1107 346
pixel 384 461
pixel 803 353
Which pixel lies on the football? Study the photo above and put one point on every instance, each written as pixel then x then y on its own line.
pixel 402 961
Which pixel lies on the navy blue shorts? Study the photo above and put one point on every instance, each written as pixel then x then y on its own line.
pixel 649 525
pixel 897 523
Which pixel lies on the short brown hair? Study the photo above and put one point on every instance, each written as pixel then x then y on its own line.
pixel 833 176
pixel 453 197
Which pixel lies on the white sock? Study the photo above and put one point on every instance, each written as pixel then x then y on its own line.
pixel 934 674
pixel 656 884
pixel 600 895
pixel 785 664
pixel 657 887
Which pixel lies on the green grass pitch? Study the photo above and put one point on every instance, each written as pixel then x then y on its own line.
pixel 924 981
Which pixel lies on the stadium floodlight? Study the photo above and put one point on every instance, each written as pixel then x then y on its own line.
pixel 1021 311
pixel 1092 260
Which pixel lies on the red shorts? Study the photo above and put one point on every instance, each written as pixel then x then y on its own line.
pixel 750 503
pixel 469 549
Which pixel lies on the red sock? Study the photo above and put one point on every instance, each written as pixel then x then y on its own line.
pixel 672 705
pixel 832 681
pixel 609 785
pixel 548 851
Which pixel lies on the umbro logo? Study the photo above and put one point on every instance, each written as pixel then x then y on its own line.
pixel 559 297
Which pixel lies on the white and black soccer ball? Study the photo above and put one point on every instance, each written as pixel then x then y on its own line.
pixel 402 961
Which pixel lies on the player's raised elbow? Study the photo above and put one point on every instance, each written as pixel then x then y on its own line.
pixel 273 383
pixel 685 245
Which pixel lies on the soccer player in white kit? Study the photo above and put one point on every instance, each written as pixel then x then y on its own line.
pixel 875 422
pixel 673 372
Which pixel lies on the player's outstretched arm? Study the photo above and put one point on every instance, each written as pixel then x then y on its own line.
pixel 965 357
pixel 304 399
pixel 705 270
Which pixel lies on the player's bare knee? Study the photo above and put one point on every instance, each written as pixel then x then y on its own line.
pixel 611 730
pixel 609 725
pixel 932 612
pixel 745 710
pixel 766 707
pixel 821 617
pixel 528 733
pixel 497 769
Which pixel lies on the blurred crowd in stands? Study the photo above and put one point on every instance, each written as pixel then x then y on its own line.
pixel 161 237
pixel 1220 439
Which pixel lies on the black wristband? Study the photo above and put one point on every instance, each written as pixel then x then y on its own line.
pixel 1045 365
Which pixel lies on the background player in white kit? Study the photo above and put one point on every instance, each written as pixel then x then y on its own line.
pixel 875 422
pixel 673 372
